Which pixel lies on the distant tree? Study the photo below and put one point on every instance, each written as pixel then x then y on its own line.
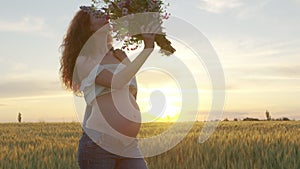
pixel 235 119
pixel 19 117
pixel 226 119
pixel 250 119
pixel 268 115
pixel 285 119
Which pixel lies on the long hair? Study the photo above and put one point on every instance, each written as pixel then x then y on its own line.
pixel 77 35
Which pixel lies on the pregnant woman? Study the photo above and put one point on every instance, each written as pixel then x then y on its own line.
pixel 106 77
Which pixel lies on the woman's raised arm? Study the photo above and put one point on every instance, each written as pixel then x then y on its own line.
pixel 116 81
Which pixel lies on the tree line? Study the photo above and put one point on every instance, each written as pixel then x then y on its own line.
pixel 268 118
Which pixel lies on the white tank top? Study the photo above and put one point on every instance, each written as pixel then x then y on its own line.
pixel 92 90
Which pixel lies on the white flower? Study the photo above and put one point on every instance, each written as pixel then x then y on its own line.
pixel 124 11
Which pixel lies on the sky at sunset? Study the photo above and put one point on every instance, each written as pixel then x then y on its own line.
pixel 257 43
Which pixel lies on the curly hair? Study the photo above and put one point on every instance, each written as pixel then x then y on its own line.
pixel 77 34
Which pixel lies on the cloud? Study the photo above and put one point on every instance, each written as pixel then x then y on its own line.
pixel 264 77
pixel 248 50
pixel 291 71
pixel 297 1
pixel 252 8
pixel 241 9
pixel 25 88
pixel 273 73
pixel 19 67
pixel 256 63
pixel 237 114
pixel 218 6
pixel 28 24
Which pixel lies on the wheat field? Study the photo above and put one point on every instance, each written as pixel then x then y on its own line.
pixel 234 145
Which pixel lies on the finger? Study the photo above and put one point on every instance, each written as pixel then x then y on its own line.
pixel 119 56
pixel 119 51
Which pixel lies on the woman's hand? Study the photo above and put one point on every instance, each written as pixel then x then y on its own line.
pixel 148 39
pixel 105 78
pixel 148 34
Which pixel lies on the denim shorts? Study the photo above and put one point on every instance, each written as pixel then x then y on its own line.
pixel 92 156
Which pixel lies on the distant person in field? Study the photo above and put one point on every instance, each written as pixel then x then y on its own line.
pixel 106 77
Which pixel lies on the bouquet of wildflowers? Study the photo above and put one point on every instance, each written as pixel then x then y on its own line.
pixel 117 9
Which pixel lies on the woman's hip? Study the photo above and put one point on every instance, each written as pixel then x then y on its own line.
pixel 106 146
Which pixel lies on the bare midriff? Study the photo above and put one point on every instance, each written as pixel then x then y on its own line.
pixel 121 111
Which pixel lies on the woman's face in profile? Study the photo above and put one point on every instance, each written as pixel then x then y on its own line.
pixel 97 23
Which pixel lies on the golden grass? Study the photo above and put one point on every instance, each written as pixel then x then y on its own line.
pixel 234 145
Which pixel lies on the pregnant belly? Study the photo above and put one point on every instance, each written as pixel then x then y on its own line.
pixel 121 111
